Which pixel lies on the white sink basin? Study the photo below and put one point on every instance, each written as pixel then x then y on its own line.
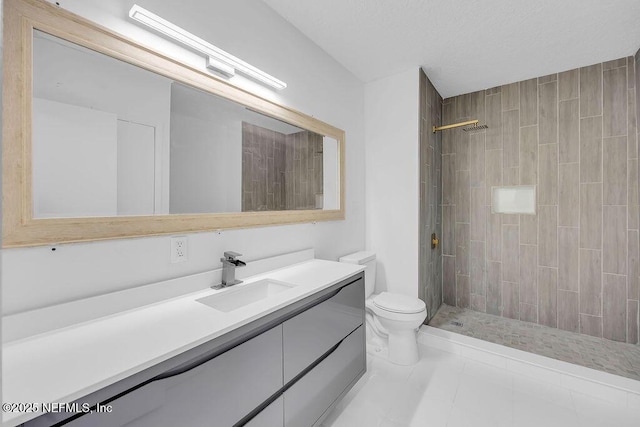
pixel 242 295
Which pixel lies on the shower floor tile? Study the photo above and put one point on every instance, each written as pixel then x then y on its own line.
pixel 596 353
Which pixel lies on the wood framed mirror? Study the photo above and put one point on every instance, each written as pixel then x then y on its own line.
pixel 104 139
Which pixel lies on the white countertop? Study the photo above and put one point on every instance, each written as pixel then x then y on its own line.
pixel 66 364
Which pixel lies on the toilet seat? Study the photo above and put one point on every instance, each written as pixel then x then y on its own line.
pixel 382 313
pixel 398 303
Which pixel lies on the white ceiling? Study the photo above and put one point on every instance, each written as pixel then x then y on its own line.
pixel 467 45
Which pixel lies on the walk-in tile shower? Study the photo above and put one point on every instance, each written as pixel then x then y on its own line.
pixel 573 265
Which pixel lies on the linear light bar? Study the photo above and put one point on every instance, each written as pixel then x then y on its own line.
pixel 217 58
pixel 220 67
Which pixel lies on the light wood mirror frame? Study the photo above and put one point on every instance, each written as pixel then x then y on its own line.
pixel 21 17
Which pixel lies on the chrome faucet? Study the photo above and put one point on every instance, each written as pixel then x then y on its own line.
pixel 229 265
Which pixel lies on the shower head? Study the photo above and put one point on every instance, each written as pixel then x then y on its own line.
pixel 475 128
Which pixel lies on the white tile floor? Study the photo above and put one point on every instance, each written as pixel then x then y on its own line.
pixel 445 389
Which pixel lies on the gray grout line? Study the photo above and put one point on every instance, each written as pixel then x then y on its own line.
pixel 517 221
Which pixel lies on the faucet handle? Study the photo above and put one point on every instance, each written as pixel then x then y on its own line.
pixel 231 255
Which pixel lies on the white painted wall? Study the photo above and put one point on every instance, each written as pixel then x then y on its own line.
pixel 392 173
pixel 69 74
pixel 206 153
pixel 139 183
pixel 74 160
pixel 318 85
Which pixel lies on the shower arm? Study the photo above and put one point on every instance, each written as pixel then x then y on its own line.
pixel 455 125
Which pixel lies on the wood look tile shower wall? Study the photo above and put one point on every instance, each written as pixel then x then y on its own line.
pixel 279 171
pixel 432 167
pixel 575 264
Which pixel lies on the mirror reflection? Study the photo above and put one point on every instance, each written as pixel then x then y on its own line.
pixel 109 138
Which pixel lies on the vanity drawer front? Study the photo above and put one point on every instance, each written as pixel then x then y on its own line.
pixel 310 334
pixel 218 392
pixel 125 410
pixel 271 416
pixel 308 399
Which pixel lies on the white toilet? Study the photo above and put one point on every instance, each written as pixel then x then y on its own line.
pixel 392 318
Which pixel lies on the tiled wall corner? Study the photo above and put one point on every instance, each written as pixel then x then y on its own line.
pixel 435 207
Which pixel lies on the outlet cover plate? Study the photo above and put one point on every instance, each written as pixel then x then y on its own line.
pixel 179 249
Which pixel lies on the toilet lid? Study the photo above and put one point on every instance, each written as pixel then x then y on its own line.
pixel 398 303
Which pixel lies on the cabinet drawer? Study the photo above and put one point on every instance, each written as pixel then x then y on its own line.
pixel 125 409
pixel 218 392
pixel 309 398
pixel 271 416
pixel 310 334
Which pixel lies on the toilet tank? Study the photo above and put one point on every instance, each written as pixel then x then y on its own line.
pixel 368 259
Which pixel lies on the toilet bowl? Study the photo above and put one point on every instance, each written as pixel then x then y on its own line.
pixel 392 318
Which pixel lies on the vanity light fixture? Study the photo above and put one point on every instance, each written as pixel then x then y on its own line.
pixel 217 59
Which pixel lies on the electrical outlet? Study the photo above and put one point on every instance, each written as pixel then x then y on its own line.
pixel 179 251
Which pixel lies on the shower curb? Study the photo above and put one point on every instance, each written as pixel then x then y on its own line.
pixel 612 388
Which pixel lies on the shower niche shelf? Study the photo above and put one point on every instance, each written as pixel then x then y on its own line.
pixel 519 199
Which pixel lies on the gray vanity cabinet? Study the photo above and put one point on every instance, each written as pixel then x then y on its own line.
pixel 223 390
pixel 313 332
pixel 271 416
pixel 219 392
pixel 286 369
pixel 324 353
pixel 311 397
